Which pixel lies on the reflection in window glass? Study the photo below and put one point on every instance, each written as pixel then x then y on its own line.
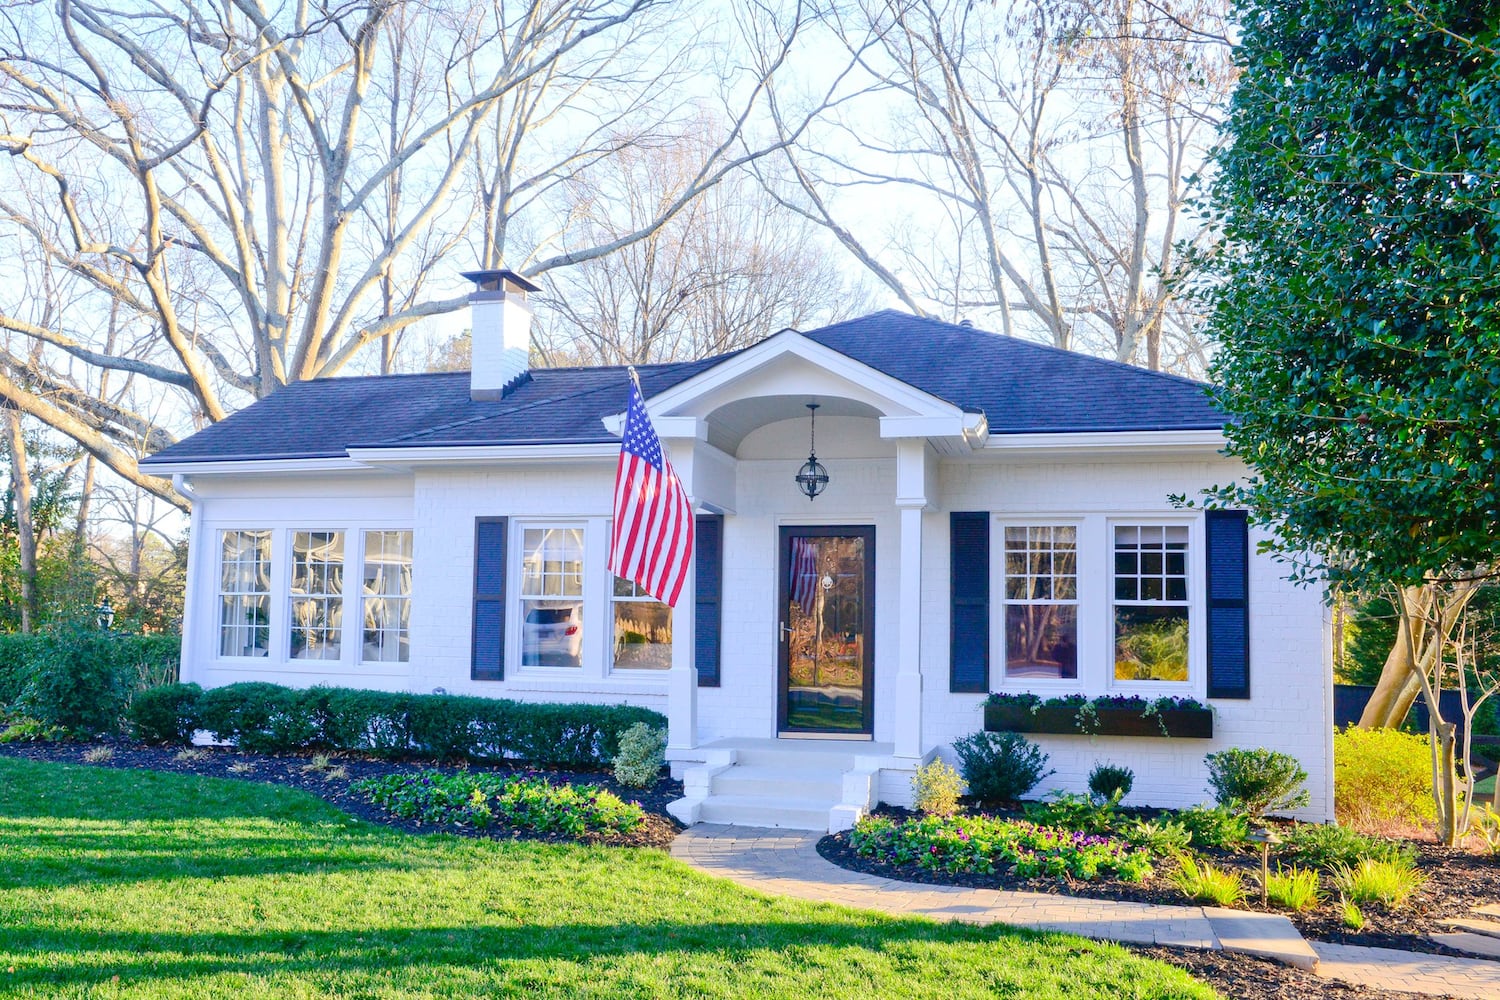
pixel 643 629
pixel 552 597
pixel 244 593
pixel 1041 601
pixel 1151 602
pixel 387 597
pixel 317 602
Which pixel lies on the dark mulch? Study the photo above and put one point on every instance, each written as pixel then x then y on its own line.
pixel 295 771
pixel 1457 882
pixel 1240 977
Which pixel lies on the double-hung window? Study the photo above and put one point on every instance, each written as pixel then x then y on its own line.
pixel 244 592
pixel 387 597
pixel 317 595
pixel 551 596
pixel 1041 602
pixel 643 629
pixel 1151 608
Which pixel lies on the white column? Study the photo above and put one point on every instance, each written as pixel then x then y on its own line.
pixel 915 480
pixel 682 679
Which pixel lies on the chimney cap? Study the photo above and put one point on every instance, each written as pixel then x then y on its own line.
pixel 502 280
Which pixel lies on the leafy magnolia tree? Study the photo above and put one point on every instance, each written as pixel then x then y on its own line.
pixel 1354 300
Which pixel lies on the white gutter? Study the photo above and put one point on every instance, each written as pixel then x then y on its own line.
pixel 1206 441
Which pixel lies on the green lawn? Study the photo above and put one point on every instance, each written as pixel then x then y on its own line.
pixel 118 883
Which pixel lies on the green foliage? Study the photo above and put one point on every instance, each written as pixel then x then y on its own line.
pixel 167 714
pixel 1111 782
pixel 1256 781
pixel 1294 888
pixel 1204 883
pixel 985 845
pixel 1070 811
pixel 268 718
pixel 1351 297
pixel 1162 837
pixel 936 787
pixel 1353 916
pixel 22 729
pixel 1486 825
pixel 1382 776
pixel 642 753
pixel 526 803
pixel 80 683
pixel 1000 767
pixel 1328 846
pixel 19 657
pixel 1218 828
pixel 1390 882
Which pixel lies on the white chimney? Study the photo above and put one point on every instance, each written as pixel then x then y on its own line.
pixel 499 331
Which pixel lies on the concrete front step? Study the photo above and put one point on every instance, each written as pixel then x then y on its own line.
pixel 780 782
pixel 757 810
pixel 1474 944
pixel 799 757
pixel 1489 928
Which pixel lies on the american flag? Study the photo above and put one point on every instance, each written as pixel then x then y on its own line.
pixel 652 541
pixel 804 582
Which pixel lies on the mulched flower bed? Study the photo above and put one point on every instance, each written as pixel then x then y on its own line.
pixel 1457 882
pixel 1240 977
pixel 658 830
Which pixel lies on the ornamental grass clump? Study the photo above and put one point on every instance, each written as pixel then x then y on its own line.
pixel 1204 883
pixel 1390 882
pixel 528 803
pixel 1294 888
pixel 986 845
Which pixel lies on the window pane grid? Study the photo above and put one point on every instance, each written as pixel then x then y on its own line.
pixel 387 597
pixel 642 629
pixel 552 597
pixel 244 592
pixel 1041 598
pixel 1151 602
pixel 317 604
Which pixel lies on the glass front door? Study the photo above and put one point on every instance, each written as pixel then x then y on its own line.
pixel 826 626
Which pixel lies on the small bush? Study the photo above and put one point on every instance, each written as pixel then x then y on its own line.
pixel 1388 882
pixel 1293 888
pixel 1327 846
pixel 1000 767
pixel 1257 781
pixel 21 729
pixel 167 714
pixel 1111 782
pixel 1159 836
pixel 1382 777
pixel 78 684
pixel 260 717
pixel 935 788
pixel 642 753
pixel 1217 828
pixel 1068 811
pixel 1203 883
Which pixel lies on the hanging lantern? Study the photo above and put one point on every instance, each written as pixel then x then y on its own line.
pixel 812 478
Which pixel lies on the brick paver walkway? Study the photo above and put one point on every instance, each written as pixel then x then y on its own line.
pixel 786 863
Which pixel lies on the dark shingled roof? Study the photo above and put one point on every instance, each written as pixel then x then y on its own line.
pixel 1021 387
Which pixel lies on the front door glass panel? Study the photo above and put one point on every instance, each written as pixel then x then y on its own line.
pixel 826 632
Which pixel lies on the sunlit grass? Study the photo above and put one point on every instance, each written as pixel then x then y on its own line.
pixel 127 884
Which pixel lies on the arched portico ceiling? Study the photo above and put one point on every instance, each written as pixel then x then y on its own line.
pixel 775 379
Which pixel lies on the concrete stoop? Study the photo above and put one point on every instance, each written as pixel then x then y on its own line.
pixel 824 785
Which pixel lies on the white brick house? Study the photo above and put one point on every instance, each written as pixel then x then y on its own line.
pixel 450 532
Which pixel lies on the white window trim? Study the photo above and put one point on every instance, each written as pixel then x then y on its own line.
pixel 624 673
pixel 1197 673
pixel 999 680
pixel 589 661
pixel 359 621
pixel 218 593
pixel 287 597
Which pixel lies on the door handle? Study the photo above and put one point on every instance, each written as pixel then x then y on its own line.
pixel 783 630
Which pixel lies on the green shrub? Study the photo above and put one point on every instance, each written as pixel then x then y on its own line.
pixel 166 714
pixel 1389 882
pixel 935 788
pixel 1111 782
pixel 19 656
pixel 1070 811
pixel 642 753
pixel 268 718
pixel 1382 777
pixel 528 803
pixel 1203 883
pixel 1217 827
pixel 1159 836
pixel 1294 888
pixel 79 683
pixel 1000 767
pixel 1256 781
pixel 21 729
pixel 1328 846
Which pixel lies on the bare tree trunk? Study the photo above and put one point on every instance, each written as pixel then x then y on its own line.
pixel 20 478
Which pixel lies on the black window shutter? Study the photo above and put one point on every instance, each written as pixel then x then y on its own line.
pixel 1228 561
pixel 489 599
pixel 707 619
pixel 969 593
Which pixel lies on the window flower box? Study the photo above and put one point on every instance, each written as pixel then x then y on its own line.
pixel 1178 717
